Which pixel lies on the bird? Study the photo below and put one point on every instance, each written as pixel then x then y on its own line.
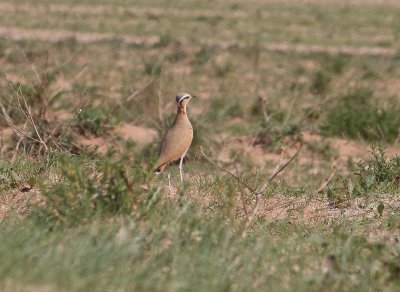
pixel 177 139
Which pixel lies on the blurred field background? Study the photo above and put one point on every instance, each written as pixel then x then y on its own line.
pixel 292 180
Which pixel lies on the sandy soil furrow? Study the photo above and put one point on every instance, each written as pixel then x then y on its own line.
pixel 14 33
pixel 17 34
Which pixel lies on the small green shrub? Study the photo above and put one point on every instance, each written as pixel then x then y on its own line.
pixel 378 174
pixel 176 56
pixel 379 171
pixel 204 55
pixel 221 70
pixel 320 82
pixel 21 172
pixel 92 120
pixel 335 63
pixel 85 190
pixel 356 115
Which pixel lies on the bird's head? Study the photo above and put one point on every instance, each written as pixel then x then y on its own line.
pixel 182 99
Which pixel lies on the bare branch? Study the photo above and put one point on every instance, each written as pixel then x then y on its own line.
pixel 32 122
pixel 137 92
pixel 16 130
pixel 19 142
pixel 227 171
pixel 280 169
pixel 324 185
pixel 257 194
pixel 27 114
pixel 242 196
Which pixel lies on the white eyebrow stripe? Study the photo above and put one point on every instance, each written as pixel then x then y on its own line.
pixel 183 97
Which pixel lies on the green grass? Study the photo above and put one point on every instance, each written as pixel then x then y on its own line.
pixel 357 115
pixel 380 172
pixel 93 120
pixel 179 250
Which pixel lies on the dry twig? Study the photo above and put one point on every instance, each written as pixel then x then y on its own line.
pixel 257 194
pixel 323 185
pixel 242 196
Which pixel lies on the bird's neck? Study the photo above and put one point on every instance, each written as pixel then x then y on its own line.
pixel 181 117
pixel 181 110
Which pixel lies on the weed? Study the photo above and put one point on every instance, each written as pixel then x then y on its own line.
pixel 176 56
pixel 93 120
pixel 320 82
pixel 341 191
pixel 375 175
pixel 393 221
pixel 86 190
pixel 335 63
pixel 204 54
pixel 221 70
pixel 22 172
pixel 369 72
pixel 379 172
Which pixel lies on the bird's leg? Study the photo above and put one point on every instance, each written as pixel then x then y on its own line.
pixel 169 181
pixel 180 166
pixel 180 169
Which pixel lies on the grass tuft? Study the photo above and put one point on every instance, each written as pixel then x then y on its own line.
pixel 357 115
pixel 379 172
pixel 93 120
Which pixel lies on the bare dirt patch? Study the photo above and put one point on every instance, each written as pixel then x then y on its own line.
pixel 245 146
pixel 6 136
pixel 345 150
pixel 17 34
pixel 10 285
pixel 318 208
pixel 98 144
pixel 138 134
pixel 18 201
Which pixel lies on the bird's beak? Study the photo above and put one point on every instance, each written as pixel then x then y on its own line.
pixel 194 96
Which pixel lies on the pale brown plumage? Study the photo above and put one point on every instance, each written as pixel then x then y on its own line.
pixel 177 140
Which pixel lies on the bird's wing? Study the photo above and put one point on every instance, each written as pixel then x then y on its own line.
pixel 174 145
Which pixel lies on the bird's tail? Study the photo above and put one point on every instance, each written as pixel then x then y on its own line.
pixel 160 169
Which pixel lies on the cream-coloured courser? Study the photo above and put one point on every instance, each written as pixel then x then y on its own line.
pixel 178 138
